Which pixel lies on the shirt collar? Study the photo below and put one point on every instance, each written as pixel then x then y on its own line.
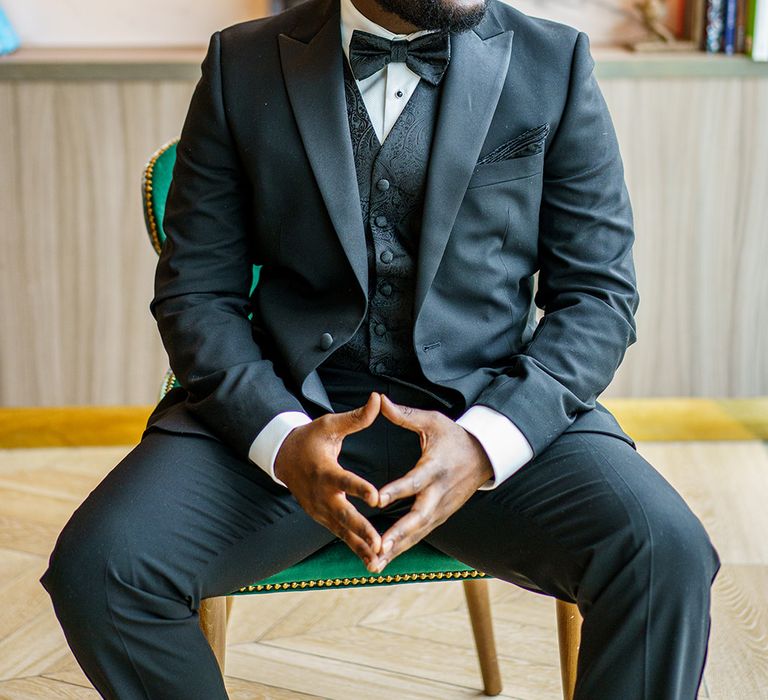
pixel 352 18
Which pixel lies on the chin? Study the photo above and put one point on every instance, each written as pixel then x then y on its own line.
pixel 448 15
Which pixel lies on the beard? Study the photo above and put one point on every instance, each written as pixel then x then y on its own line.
pixel 445 15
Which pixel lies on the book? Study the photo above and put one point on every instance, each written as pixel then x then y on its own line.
pixel 695 21
pixel 741 21
pixel 729 27
pixel 714 26
pixel 756 31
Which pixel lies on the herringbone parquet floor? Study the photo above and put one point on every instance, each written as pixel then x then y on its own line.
pixel 409 641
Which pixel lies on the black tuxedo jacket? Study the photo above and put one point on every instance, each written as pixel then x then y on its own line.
pixel 265 175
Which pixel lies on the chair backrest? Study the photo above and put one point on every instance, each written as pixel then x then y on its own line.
pixel 158 174
pixel 155 184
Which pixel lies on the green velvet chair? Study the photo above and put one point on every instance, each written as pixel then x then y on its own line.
pixel 336 566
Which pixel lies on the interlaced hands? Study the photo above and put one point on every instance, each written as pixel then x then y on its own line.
pixel 452 465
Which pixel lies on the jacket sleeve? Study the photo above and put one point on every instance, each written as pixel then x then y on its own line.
pixel 587 286
pixel 204 274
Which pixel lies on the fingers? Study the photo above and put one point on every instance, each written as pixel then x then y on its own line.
pixel 409 484
pixel 407 531
pixel 416 419
pixel 361 549
pixel 348 517
pixel 359 418
pixel 347 523
pixel 354 485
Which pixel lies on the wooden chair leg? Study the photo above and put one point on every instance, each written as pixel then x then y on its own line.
pixel 214 614
pixel 569 637
pixel 479 605
pixel 230 600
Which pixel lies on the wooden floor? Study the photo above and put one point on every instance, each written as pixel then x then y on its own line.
pixel 410 641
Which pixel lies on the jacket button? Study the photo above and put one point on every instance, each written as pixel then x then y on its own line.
pixel 326 340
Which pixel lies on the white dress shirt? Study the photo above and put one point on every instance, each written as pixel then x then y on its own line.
pixel 385 94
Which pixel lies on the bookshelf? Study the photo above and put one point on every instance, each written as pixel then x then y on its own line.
pixel 184 64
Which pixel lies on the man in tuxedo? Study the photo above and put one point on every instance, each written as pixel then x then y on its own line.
pixel 400 170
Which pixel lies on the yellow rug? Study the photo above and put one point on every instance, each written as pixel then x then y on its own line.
pixel 666 419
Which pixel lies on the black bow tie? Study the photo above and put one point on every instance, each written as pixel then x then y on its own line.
pixel 426 55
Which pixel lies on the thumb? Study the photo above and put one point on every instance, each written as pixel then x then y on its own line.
pixel 405 416
pixel 358 418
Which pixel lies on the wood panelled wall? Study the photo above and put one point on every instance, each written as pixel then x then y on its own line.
pixel 696 168
pixel 76 269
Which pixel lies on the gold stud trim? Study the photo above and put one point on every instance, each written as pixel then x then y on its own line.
pixel 362 581
pixel 168 382
pixel 147 184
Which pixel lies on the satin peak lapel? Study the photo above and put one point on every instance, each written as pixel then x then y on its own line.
pixel 471 90
pixel 314 79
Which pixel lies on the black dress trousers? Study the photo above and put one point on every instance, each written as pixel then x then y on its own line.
pixel 182 518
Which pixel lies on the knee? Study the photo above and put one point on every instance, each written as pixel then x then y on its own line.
pixel 93 570
pixel 92 542
pixel 74 576
pixel 680 549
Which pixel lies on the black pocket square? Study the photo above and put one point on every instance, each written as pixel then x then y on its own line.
pixel 527 143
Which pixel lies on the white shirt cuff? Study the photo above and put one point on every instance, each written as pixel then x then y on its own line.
pixel 506 446
pixel 264 448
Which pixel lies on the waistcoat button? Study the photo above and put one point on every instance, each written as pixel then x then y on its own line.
pixel 326 340
pixel 382 221
pixel 386 256
pixel 380 368
pixel 382 185
pixel 386 289
pixel 379 329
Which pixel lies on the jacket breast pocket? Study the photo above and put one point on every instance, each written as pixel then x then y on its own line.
pixel 506 170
